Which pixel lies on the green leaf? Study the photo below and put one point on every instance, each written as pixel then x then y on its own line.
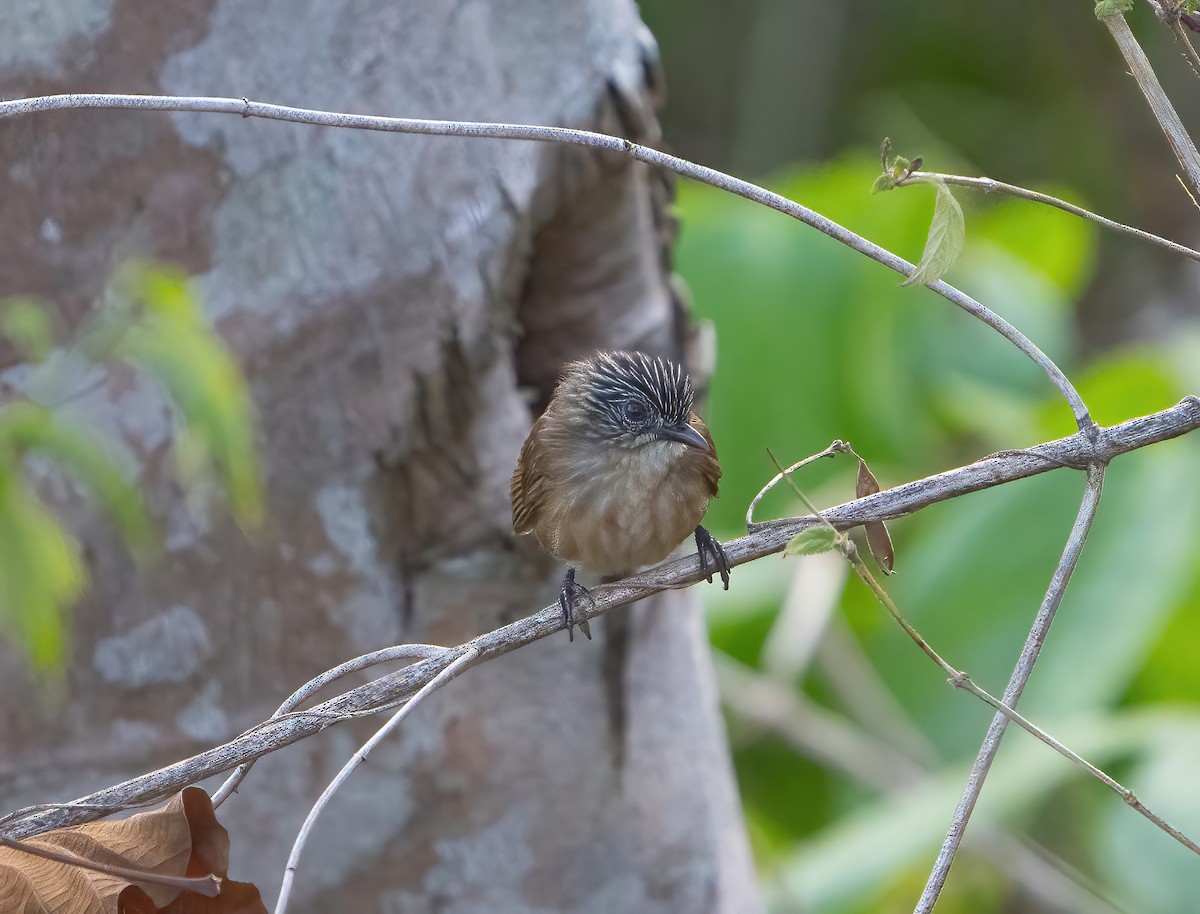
pixel 25 322
pixel 887 360
pixel 41 574
pixel 173 343
pixel 813 541
pixel 884 183
pixel 1106 8
pixel 28 427
pixel 947 233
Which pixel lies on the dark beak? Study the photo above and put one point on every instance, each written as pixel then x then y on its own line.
pixel 685 434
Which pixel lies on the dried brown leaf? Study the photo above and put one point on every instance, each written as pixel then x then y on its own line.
pixel 235 898
pixel 181 838
pixel 878 539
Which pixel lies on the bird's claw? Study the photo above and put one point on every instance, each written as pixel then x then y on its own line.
pixel 712 557
pixel 567 595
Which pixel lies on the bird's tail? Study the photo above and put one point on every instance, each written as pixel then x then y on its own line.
pixel 618 622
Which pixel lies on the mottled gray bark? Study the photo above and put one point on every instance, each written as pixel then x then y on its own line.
pixel 400 304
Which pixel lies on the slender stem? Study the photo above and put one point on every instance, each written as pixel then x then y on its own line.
pixel 828 739
pixel 786 475
pixel 1164 112
pixel 314 685
pixel 965 682
pixel 1173 18
pixel 990 185
pixel 246 108
pixel 1016 685
pixel 837 446
pixel 961 680
pixel 1185 43
pixel 357 759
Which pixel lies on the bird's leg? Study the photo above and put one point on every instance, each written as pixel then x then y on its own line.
pixel 570 592
pixel 709 550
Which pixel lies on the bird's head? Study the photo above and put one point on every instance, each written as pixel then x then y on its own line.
pixel 629 400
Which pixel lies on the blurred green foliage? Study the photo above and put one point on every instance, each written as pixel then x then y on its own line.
pixel 152 320
pixel 816 342
pixel 171 341
pixel 40 574
pixel 1036 95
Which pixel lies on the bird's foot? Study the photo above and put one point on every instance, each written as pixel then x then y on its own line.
pixel 712 556
pixel 567 598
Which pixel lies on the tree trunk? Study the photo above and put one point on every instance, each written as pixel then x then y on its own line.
pixel 401 306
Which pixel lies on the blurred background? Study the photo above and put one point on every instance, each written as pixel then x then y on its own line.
pixel 850 749
pixel 357 278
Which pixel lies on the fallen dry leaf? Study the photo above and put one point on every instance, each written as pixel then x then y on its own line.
pixel 182 838
pixel 878 538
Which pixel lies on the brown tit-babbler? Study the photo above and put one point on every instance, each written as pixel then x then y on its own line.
pixel 618 471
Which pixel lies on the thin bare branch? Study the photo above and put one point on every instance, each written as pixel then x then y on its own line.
pixel 289 874
pixel 833 741
pixel 964 682
pixel 768 538
pixel 1164 112
pixel 1184 40
pixel 990 185
pixel 314 685
pixel 961 680
pixel 1016 685
pixel 245 108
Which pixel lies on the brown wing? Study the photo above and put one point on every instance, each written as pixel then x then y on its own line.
pixel 529 486
pixel 710 468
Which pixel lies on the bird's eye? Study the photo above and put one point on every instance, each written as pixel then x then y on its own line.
pixel 635 412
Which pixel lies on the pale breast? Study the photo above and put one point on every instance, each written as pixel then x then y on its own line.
pixel 629 509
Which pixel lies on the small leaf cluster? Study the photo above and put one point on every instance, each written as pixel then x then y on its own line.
pixel 896 169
